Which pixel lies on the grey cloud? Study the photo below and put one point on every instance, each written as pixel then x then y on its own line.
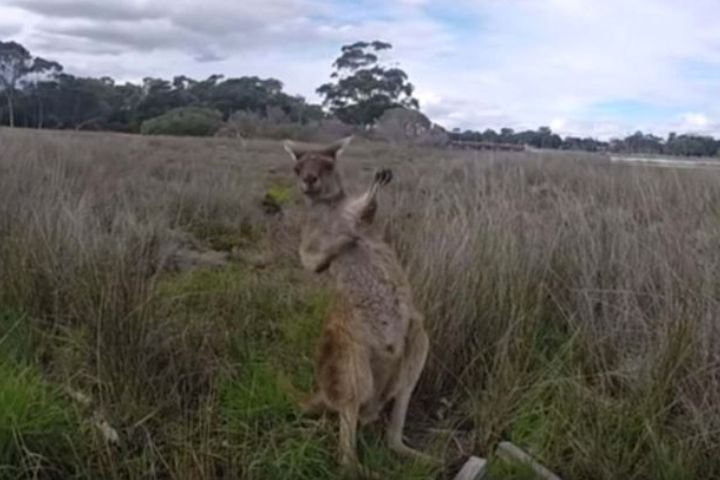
pixel 152 35
pixel 221 17
pixel 9 29
pixel 208 31
pixel 209 57
pixel 90 9
pixel 53 44
pixel 144 35
pixel 206 17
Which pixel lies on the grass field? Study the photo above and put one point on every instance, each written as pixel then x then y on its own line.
pixel 155 323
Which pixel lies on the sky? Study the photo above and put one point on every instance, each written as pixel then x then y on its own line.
pixel 600 68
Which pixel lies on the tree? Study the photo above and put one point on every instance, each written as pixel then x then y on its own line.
pixel 691 145
pixel 490 135
pixel 363 89
pixel 506 134
pixel 545 138
pixel 160 96
pixel 252 94
pixel 16 64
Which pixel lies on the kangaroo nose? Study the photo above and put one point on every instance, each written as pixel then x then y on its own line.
pixel 310 179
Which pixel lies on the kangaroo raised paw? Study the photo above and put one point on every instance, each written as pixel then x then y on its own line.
pixel 383 176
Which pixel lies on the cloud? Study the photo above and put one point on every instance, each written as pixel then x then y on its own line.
pixel 139 35
pixel 697 123
pixel 91 9
pixel 583 67
pixel 208 57
pixel 696 120
pixel 9 28
pixel 210 16
pixel 203 31
pixel 561 59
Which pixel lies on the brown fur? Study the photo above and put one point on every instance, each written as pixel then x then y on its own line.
pixel 374 345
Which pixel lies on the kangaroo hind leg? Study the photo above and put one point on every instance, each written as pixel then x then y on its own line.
pixel 411 369
pixel 314 406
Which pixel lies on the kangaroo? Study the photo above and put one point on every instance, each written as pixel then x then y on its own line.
pixel 373 346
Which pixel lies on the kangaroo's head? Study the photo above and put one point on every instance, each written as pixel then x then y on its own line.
pixel 315 167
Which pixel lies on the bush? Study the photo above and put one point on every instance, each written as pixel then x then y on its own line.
pixel 333 128
pixel 275 124
pixel 191 121
pixel 410 127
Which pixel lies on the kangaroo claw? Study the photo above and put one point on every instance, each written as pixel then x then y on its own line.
pixel 383 176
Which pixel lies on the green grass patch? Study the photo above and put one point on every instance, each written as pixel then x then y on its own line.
pixel 568 421
pixel 272 321
pixel 16 339
pixel 262 427
pixel 226 237
pixel 38 428
pixel 499 469
pixel 269 439
pixel 279 195
pixel 258 398
pixel 375 455
pixel 268 314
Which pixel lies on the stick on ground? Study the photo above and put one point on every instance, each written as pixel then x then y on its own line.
pixel 509 451
pixel 474 469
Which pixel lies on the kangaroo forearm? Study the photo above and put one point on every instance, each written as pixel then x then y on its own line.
pixel 339 244
pixel 362 209
pixel 317 258
pixel 314 262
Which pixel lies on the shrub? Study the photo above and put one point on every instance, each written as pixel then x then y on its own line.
pixel 190 121
pixel 242 124
pixel 405 126
pixel 276 125
pixel 332 128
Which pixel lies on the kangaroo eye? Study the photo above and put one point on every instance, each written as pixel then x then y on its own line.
pixel 297 169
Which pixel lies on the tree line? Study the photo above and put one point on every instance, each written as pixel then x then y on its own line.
pixel 637 143
pixel 38 93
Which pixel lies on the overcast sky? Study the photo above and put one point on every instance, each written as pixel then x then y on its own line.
pixel 583 67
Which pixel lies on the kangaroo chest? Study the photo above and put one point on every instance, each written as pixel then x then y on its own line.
pixel 373 284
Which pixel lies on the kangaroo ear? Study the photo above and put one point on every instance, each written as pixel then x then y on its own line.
pixel 336 149
pixel 293 149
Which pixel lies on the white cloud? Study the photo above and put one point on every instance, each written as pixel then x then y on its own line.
pixel 697 123
pixel 558 124
pixel 538 61
pixel 696 120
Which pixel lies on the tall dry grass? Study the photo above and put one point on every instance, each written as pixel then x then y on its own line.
pixel 574 308
pixel 88 224
pixel 572 305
